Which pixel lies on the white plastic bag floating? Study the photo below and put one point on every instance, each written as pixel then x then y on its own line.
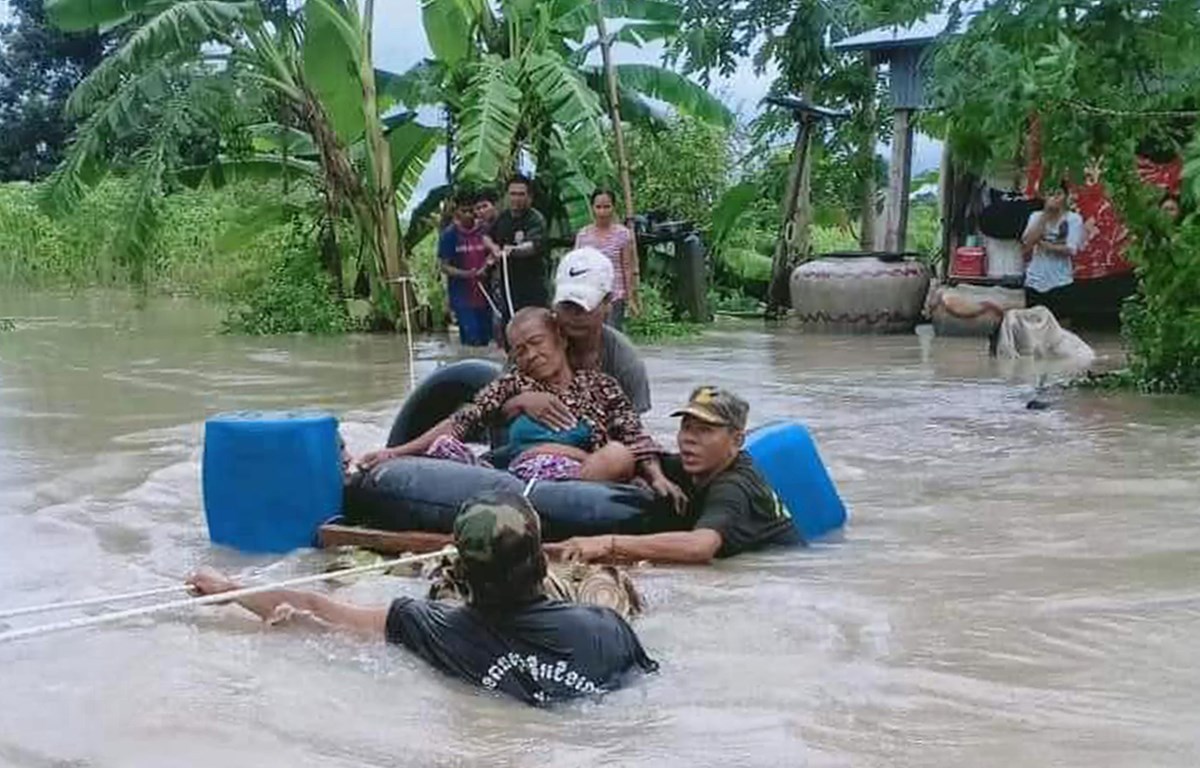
pixel 1035 332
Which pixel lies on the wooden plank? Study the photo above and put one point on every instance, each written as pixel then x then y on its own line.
pixel 384 542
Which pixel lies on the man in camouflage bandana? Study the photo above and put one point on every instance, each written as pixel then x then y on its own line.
pixel 508 636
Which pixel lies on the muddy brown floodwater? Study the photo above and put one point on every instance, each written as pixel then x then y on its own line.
pixel 1016 587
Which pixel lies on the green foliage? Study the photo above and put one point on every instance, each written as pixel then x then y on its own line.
pixel 1107 81
pixel 39 66
pixel 430 282
pixel 1097 75
pixel 196 250
pixel 657 320
pixel 514 79
pixel 1161 323
pixel 287 291
pixel 680 170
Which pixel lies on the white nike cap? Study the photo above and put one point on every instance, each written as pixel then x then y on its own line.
pixel 584 277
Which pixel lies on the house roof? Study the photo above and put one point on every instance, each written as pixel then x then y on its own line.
pixel 915 35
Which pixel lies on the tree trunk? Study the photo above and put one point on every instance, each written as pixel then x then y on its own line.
pixel 899 178
pixel 778 297
pixel 382 195
pixel 866 159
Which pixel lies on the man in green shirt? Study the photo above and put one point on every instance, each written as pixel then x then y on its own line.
pixel 518 241
pixel 731 507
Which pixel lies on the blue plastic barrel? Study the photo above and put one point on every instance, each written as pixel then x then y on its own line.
pixel 787 456
pixel 270 479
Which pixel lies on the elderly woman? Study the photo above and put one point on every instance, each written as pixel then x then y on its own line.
pixel 606 443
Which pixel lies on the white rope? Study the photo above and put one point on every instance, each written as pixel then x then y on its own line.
pixel 507 284
pixel 223 597
pixel 495 310
pixel 68 604
pixel 412 366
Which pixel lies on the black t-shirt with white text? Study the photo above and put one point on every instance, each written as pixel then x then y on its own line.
pixel 527 274
pixel 541 652
pixel 738 504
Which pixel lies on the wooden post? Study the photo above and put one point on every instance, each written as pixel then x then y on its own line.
pixel 899 178
pixel 614 105
pixel 777 292
pixel 866 235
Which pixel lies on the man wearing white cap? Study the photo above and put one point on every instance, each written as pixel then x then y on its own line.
pixel 583 287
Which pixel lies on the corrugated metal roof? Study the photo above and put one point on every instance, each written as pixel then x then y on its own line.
pixel 921 32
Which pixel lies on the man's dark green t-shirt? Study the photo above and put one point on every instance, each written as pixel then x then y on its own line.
pixel 526 274
pixel 739 505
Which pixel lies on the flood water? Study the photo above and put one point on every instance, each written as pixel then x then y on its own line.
pixel 1015 587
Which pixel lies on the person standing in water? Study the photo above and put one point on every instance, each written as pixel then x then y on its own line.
pixel 615 241
pixel 519 238
pixel 508 637
pixel 486 211
pixel 464 260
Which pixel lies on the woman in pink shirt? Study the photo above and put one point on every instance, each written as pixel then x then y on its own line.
pixel 616 242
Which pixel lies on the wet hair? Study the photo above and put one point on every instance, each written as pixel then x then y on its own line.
pixel 599 191
pixel 517 572
pixel 520 178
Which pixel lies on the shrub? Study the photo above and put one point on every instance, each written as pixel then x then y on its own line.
pixel 287 291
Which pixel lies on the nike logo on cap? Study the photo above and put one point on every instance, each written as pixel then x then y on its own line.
pixel 577 272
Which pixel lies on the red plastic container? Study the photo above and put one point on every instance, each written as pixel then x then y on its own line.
pixel 969 261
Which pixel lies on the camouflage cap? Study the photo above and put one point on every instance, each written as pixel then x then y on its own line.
pixel 497 531
pixel 717 406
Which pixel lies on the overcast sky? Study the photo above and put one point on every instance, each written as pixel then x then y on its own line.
pixel 400 43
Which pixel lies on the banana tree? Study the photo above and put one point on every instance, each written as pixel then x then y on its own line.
pixel 317 61
pixel 515 80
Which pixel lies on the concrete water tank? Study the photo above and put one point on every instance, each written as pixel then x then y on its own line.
pixel 860 293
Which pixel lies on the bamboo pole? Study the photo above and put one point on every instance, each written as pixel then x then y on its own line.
pixel 614 104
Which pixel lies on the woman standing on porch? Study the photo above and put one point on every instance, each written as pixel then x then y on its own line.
pixel 615 241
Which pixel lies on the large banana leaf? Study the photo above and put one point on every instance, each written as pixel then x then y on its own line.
pixel 411 145
pixel 333 50
pixel 139 221
pixel 262 167
pixel 424 218
pixel 729 209
pixel 676 90
pixel 571 17
pixel 180 29
pixel 570 103
pixel 82 15
pixel 634 108
pixel 116 117
pixel 489 122
pixel 448 29
pixel 273 137
pixel 572 184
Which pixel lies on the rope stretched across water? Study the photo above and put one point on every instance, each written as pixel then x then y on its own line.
pixel 223 597
pixel 90 601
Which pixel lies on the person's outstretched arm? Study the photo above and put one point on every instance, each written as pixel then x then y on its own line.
pixel 697 547
pixel 283 604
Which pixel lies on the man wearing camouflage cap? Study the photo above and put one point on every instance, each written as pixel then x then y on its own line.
pixel 731 508
pixel 508 636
